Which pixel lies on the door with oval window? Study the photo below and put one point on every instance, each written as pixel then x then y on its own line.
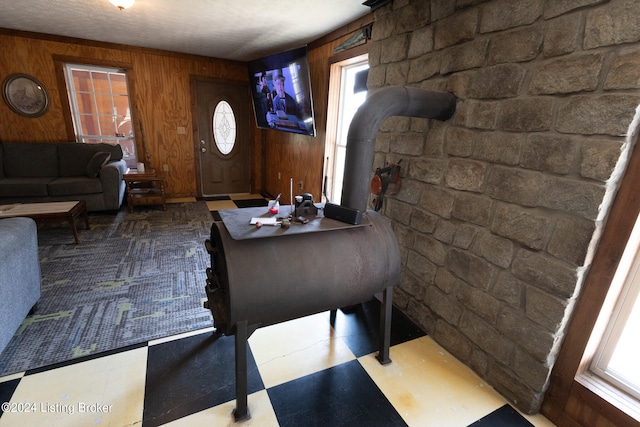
pixel 223 110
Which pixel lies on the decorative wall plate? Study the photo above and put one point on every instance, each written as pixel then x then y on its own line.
pixel 25 95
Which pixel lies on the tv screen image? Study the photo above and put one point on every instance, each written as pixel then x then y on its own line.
pixel 281 90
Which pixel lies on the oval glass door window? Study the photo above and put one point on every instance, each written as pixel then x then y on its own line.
pixel 224 127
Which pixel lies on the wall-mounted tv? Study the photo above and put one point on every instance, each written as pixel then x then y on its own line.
pixel 281 90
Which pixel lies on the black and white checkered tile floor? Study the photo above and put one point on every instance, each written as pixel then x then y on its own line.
pixel 304 372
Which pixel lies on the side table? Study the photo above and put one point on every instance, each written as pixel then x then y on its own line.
pixel 144 189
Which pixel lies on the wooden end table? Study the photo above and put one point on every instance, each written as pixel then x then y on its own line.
pixel 49 211
pixel 144 189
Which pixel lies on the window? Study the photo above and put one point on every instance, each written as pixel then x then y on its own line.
pixel 224 127
pixel 348 100
pixel 99 100
pixel 615 357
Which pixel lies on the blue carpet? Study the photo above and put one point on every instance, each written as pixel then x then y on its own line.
pixel 133 277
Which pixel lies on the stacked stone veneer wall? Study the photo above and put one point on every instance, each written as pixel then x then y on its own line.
pixel 499 205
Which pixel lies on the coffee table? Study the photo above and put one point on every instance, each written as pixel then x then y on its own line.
pixel 49 211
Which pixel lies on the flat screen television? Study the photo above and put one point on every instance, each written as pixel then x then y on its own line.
pixel 281 90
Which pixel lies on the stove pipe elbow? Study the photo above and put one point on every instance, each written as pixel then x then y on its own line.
pixel 386 102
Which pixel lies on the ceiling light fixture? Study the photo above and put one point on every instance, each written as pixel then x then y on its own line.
pixel 122 4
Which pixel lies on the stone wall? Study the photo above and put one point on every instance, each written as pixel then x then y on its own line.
pixel 500 205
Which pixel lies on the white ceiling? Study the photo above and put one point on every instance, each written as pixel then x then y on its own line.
pixel 230 29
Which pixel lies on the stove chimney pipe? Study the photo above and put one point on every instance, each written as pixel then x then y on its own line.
pixel 383 103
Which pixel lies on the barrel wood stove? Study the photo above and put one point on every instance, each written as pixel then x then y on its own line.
pixel 262 276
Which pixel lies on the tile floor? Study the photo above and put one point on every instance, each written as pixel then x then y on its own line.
pixel 305 372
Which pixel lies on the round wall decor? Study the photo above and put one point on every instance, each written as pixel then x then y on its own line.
pixel 25 95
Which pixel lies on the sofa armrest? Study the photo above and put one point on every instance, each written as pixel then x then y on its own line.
pixel 114 170
pixel 111 176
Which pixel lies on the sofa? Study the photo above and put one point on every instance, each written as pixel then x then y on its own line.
pixel 48 172
pixel 20 279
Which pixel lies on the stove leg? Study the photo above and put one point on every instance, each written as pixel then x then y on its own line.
pixel 242 411
pixel 385 326
pixel 332 317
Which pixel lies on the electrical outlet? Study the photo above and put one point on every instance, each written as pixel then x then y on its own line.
pixel 165 167
pixel 278 175
pixel 182 130
pixel 300 186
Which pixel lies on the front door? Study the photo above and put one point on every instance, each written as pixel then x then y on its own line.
pixel 223 137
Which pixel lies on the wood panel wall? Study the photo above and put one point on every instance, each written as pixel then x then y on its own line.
pixel 160 90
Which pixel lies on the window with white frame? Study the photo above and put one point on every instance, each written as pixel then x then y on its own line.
pixel 100 107
pixel 615 357
pixel 347 101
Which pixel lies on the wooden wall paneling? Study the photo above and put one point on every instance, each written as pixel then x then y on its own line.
pixel 589 408
pixel 257 149
pixel 160 96
pixel 259 175
pixel 59 64
pixel 163 100
pixel 33 58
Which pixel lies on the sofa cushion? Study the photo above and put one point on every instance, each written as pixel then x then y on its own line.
pixel 24 187
pixel 72 185
pixel 114 149
pixel 30 160
pixel 96 163
pixel 74 157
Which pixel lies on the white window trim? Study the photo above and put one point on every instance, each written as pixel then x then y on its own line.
pixel 626 287
pixel 71 92
pixel 608 326
pixel 334 125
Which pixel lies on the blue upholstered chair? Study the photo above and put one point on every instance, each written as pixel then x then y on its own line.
pixel 20 278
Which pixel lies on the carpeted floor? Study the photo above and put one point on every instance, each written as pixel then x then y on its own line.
pixel 133 277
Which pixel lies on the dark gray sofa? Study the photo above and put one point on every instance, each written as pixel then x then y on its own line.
pixel 43 172
pixel 20 280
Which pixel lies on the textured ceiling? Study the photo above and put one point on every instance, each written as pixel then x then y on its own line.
pixel 230 29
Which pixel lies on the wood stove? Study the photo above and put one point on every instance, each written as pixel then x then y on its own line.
pixel 262 276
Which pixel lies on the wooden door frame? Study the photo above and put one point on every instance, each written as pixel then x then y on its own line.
pixel 195 128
